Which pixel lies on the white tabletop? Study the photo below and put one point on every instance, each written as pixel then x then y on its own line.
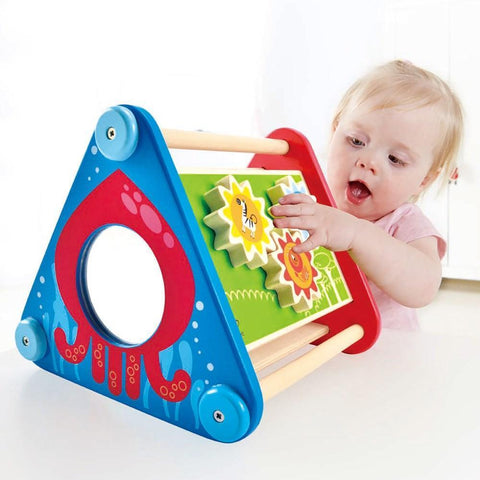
pixel 409 408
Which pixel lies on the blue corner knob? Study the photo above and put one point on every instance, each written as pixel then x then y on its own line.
pixel 224 414
pixel 31 339
pixel 116 133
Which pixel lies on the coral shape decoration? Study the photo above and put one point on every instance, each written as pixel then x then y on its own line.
pixel 291 274
pixel 240 223
pixel 128 206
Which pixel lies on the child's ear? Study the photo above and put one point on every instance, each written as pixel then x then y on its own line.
pixel 430 177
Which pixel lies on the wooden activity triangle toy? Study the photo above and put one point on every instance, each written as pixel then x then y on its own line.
pixel 236 298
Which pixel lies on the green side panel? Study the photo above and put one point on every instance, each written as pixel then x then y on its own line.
pixel 256 309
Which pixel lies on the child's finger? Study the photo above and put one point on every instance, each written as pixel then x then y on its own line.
pixel 294 198
pixel 313 241
pixel 293 210
pixel 300 223
pixel 305 246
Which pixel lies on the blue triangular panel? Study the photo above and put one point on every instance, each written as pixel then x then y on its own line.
pixel 194 371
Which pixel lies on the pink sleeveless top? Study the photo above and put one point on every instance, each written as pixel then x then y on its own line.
pixel 407 223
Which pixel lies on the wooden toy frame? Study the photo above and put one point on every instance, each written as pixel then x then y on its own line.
pixel 127 177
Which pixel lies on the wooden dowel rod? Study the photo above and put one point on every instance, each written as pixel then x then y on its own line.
pixel 281 347
pixel 291 373
pixel 224 143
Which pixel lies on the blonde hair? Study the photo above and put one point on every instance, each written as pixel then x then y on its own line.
pixel 402 84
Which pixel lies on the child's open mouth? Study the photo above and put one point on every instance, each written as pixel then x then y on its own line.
pixel 357 192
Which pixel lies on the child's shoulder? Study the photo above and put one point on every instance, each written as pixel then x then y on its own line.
pixel 408 223
pixel 407 212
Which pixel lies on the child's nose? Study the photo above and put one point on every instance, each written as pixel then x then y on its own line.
pixel 367 163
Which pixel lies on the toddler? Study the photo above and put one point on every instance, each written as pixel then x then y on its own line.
pixel 395 131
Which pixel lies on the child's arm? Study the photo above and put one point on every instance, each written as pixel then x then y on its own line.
pixel 409 272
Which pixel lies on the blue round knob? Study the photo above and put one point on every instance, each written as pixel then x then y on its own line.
pixel 31 339
pixel 116 133
pixel 224 414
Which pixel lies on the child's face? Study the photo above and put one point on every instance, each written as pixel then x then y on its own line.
pixel 379 159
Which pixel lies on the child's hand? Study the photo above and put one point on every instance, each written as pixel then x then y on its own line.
pixel 327 226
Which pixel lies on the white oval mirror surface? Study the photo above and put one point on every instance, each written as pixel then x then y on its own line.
pixel 125 285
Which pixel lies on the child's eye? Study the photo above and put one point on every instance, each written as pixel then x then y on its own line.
pixel 356 142
pixel 396 161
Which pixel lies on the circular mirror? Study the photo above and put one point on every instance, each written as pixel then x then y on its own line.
pixel 124 285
